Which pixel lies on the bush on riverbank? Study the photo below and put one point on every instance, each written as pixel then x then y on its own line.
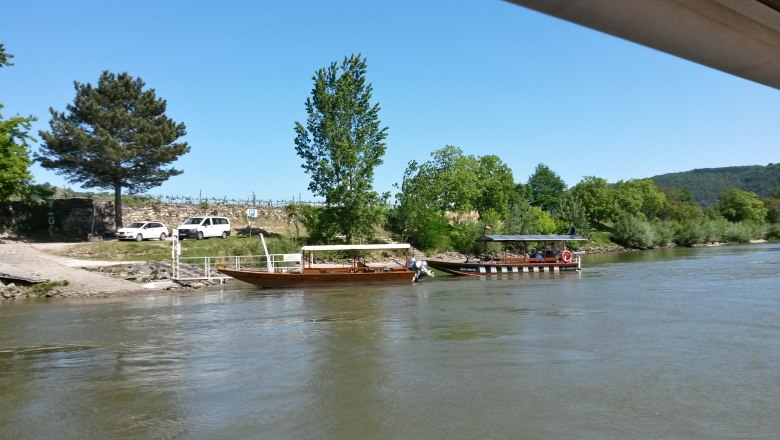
pixel 772 232
pixel 31 290
pixel 636 233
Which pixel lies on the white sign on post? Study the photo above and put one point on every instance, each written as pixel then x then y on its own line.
pixel 250 214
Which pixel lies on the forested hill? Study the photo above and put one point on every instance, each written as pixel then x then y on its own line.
pixel 707 183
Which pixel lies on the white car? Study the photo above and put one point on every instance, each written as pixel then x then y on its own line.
pixel 204 227
pixel 139 231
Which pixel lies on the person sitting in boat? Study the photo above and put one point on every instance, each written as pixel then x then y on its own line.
pixel 555 251
pixel 538 254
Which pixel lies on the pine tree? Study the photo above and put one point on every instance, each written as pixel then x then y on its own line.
pixel 114 136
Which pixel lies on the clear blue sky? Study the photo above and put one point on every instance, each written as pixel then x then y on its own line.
pixel 483 75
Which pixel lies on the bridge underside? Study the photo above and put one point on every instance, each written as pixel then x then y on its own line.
pixel 740 37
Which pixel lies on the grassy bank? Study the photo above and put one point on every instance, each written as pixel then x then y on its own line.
pixel 115 250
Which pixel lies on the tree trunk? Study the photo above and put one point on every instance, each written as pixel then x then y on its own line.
pixel 118 206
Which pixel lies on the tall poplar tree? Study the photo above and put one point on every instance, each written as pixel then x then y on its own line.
pixel 114 136
pixel 341 145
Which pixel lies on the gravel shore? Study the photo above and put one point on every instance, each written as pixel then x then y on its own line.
pixel 34 262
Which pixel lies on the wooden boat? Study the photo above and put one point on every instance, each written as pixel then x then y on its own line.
pixel 557 258
pixel 354 273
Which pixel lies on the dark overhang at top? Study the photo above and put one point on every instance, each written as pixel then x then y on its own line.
pixel 740 37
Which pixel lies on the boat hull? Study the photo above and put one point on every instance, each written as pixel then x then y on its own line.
pixel 319 278
pixel 499 268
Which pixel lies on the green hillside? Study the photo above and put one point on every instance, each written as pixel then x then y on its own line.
pixel 707 183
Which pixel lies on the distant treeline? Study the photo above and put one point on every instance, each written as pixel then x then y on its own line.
pixel 707 184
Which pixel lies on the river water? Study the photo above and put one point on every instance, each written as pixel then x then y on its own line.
pixel 663 344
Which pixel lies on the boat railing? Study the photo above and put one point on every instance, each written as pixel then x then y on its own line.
pixel 195 268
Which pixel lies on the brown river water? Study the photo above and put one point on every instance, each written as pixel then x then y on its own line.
pixel 673 344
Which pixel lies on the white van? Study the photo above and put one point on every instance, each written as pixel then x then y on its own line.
pixel 204 227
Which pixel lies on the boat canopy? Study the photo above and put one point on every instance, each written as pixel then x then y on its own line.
pixel 511 238
pixel 357 247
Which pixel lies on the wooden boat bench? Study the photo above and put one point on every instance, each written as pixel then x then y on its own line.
pixel 543 260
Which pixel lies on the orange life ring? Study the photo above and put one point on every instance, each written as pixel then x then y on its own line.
pixel 567 256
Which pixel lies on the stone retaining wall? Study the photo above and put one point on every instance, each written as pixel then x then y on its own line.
pixel 73 218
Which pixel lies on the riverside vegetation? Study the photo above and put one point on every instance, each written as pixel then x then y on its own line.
pixel 442 204
pixel 458 236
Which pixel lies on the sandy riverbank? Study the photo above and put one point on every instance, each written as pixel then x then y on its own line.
pixel 34 261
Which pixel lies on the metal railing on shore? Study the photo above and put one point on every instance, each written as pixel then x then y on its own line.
pixel 205 268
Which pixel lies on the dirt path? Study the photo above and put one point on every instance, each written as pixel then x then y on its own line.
pixel 25 260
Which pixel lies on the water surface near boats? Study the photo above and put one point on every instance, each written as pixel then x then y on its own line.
pixel 664 344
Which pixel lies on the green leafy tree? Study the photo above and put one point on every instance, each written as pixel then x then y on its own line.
pixel 114 136
pixel 736 205
pixel 527 219
pixel 653 199
pixel 772 209
pixel 772 204
pixel 680 205
pixel 544 221
pixel 629 201
pixel 463 235
pixel 451 183
pixel 521 195
pixel 453 178
pixel 639 197
pixel 418 215
pixel 341 145
pixel 297 214
pixel 572 214
pixel 546 188
pixel 495 184
pixel 521 220
pixel 444 184
pixel 597 197
pixel 15 177
pixel 15 160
